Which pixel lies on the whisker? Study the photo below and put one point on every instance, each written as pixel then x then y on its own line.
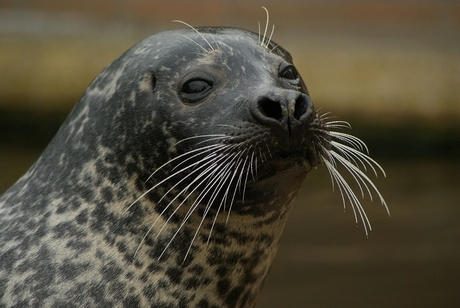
pixel 363 177
pixel 198 32
pixel 208 138
pixel 350 169
pixel 209 147
pixel 218 182
pixel 335 148
pixel 274 47
pixel 271 35
pixel 238 182
pixel 353 158
pixel 355 204
pixel 195 42
pixel 351 140
pixel 200 197
pixel 337 124
pixel 225 178
pixel 370 162
pixel 253 164
pixel 266 27
pixel 203 164
pixel 212 147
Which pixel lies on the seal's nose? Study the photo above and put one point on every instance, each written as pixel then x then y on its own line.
pixel 287 110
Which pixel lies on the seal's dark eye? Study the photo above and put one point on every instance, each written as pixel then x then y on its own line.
pixel 289 73
pixel 194 90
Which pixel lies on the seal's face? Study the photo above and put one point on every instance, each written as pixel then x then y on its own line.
pixel 237 110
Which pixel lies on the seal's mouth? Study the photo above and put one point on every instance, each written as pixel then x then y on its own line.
pixel 293 162
pixel 284 165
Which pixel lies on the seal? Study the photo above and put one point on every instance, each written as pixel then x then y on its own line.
pixel 170 182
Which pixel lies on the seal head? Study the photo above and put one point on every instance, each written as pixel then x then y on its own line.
pixel 170 181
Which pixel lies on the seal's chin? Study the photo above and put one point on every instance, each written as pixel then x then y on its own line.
pixel 277 181
pixel 282 166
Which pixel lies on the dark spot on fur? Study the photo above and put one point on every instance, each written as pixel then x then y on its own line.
pixel 96 291
pixel 203 304
pixel 79 245
pixel 69 270
pixel 129 275
pixel 191 283
pixel 44 273
pixel 111 272
pixel 233 296
pixel 174 274
pixel 82 218
pixel 131 301
pixel 67 230
pixel 154 267
pixel 196 270
pixel 222 271
pixel 107 194
pixel 114 288
pixel 121 246
pixel 63 303
pixel 3 284
pixel 84 192
pixel 149 291
pixel 144 277
pixel 223 286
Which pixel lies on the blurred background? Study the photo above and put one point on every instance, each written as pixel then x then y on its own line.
pixel 390 68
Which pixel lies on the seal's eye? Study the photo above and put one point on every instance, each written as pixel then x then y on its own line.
pixel 194 90
pixel 289 73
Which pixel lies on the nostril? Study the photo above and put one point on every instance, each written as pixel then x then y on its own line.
pixel 301 107
pixel 271 109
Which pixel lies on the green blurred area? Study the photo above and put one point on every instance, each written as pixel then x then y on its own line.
pixel 390 68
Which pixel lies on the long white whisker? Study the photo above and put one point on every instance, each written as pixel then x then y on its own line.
pixel 208 138
pixel 226 177
pixel 336 124
pixel 195 42
pixel 361 155
pixel 203 163
pixel 351 140
pixel 187 215
pixel 198 32
pixel 355 204
pixel 266 27
pixel 217 184
pixel 362 176
pixel 335 148
pixel 222 179
pixel 210 159
pixel 222 148
pixel 350 169
pixel 209 147
pixel 239 182
pixel 197 202
pixel 271 35
pixel 351 157
pixel 167 178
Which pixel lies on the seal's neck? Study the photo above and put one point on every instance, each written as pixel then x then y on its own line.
pixel 225 262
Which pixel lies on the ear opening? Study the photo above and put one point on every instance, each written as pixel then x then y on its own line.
pixel 153 81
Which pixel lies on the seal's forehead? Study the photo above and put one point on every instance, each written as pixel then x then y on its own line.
pixel 197 42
